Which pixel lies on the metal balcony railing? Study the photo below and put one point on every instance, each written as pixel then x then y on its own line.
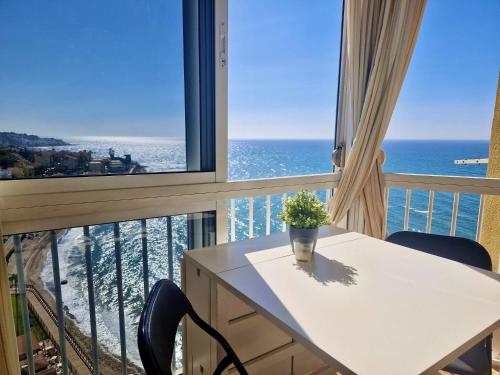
pixel 245 209
pixel 454 191
pixel 82 361
pixel 261 211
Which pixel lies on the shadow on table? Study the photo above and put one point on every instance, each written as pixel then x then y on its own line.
pixel 327 271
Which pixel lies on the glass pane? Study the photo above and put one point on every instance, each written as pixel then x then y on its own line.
pixel 101 84
pixel 445 109
pixel 283 75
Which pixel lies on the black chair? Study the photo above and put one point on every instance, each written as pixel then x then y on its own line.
pixel 477 360
pixel 161 315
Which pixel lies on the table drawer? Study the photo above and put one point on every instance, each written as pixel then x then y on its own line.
pixel 272 366
pixel 253 336
pixel 304 362
pixel 232 305
pixel 276 362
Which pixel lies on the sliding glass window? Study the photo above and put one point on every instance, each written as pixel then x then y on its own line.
pixel 103 88
pixel 282 92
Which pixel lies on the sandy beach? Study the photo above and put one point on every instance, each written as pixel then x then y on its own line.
pixel 35 249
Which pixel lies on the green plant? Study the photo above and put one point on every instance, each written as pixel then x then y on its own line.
pixel 304 210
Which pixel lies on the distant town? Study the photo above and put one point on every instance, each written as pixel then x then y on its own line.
pixel 28 156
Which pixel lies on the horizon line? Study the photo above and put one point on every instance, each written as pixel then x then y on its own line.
pixel 387 139
pixel 253 139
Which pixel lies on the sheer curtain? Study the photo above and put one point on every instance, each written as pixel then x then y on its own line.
pixel 378 41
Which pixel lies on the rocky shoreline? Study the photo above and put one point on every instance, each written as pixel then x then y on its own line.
pixel 35 250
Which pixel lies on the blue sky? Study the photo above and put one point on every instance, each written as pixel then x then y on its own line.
pixel 449 91
pixel 283 68
pixel 92 67
pixel 70 68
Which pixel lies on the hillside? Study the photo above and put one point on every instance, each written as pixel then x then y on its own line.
pixel 11 139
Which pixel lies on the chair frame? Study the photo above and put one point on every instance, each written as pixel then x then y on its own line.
pixel 184 307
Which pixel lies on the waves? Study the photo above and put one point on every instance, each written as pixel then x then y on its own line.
pixel 72 269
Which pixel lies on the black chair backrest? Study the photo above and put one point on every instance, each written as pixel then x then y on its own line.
pixel 458 249
pixel 165 307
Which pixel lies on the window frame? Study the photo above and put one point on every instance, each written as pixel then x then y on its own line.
pixel 206 126
pixel 200 101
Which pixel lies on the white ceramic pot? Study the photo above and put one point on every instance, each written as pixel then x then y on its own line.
pixel 303 242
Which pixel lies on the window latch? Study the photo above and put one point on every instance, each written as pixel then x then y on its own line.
pixel 222 45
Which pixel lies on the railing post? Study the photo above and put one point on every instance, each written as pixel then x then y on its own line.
pixel 407 209
pixel 119 286
pixel 170 255
pixel 428 227
pixel 170 248
pixel 24 304
pixel 250 217
pixel 386 199
pixel 59 303
pixel 145 264
pixel 283 200
pixel 90 288
pixel 268 215
pixel 456 198
pixel 233 220
pixel 328 195
pixel 222 225
pixel 480 217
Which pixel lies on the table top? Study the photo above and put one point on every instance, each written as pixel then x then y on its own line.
pixel 362 305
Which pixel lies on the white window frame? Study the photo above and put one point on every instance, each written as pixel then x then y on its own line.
pixel 125 196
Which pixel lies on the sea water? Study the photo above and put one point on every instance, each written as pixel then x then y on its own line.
pixel 248 159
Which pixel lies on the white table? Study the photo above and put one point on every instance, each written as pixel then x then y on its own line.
pixel 362 305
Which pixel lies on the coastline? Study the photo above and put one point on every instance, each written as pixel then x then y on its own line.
pixel 35 251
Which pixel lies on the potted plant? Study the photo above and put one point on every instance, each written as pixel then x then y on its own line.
pixel 304 213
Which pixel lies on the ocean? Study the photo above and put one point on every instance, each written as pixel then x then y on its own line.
pixel 248 159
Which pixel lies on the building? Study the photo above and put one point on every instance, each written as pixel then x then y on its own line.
pixel 41 366
pixel 96 166
pixel 70 162
pixel 21 346
pixel 116 166
pixel 44 159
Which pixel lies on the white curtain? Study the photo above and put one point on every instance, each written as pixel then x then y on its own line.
pixel 378 41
